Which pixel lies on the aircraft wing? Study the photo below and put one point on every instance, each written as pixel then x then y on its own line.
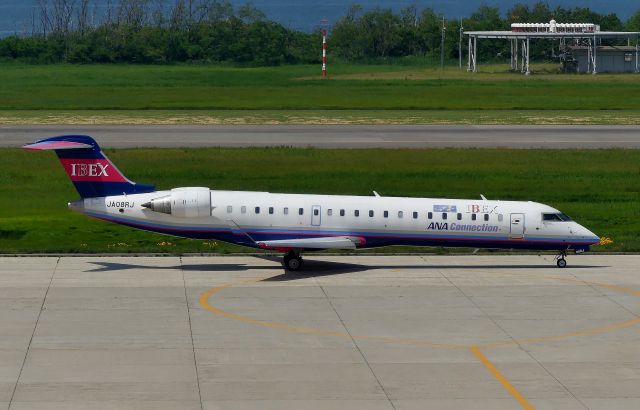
pixel 325 242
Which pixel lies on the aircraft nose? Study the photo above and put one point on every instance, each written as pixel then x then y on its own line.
pixel 587 234
pixel 77 206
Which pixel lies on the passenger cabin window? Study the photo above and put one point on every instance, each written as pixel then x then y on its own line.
pixel 500 217
pixel 356 213
pixel 285 211
pixel 342 212
pixel 229 209
pixel 385 214
pixel 444 215
pixel 243 209
pixel 371 214
pixel 270 210
pixel 257 209
pixel 474 217
pixel 486 217
pixel 316 212
pixel 400 214
pixel 300 211
pixel 415 215
pixel 430 215
pixel 459 217
pixel 329 212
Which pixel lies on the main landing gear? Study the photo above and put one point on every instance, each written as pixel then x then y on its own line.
pixel 560 259
pixel 292 261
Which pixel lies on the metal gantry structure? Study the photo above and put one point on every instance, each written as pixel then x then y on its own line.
pixel 521 40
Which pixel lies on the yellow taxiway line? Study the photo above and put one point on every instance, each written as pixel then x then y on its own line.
pixel 500 377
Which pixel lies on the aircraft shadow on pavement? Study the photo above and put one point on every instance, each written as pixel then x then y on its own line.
pixel 205 267
pixel 314 268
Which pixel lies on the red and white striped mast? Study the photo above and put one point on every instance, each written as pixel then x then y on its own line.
pixel 324 48
pixel 324 52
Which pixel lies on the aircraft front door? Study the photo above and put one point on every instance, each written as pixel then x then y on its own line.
pixel 316 215
pixel 517 226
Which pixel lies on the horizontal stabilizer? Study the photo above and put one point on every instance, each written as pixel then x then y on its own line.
pixel 325 242
pixel 44 145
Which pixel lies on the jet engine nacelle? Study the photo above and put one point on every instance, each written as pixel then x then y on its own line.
pixel 183 203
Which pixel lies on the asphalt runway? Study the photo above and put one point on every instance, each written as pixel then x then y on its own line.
pixel 357 332
pixel 336 136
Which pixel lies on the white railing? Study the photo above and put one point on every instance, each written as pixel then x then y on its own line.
pixel 553 27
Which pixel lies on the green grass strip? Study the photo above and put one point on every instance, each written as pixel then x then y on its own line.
pixel 349 87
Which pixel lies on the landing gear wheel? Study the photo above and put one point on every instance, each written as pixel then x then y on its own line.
pixel 561 262
pixel 292 262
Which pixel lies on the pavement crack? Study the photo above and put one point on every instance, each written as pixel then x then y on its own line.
pixel 193 347
pixel 364 358
pixel 35 326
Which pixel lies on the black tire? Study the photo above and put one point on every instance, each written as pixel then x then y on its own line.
pixel 562 263
pixel 293 263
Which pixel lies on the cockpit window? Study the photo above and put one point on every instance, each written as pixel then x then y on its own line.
pixel 559 217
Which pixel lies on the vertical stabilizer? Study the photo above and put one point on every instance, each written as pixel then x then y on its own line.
pixel 92 173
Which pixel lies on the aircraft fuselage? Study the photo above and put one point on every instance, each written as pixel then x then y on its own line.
pixel 252 218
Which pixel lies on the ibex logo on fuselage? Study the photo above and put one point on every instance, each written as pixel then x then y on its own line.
pixel 89 170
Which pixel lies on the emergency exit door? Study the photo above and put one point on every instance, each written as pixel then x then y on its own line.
pixel 517 226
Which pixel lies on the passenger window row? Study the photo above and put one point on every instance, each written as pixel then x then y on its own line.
pixel 271 210
pixel 385 214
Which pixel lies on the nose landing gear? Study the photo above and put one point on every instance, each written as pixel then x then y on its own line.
pixel 292 261
pixel 560 259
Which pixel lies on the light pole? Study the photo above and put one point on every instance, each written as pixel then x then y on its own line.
pixel 460 45
pixel 444 28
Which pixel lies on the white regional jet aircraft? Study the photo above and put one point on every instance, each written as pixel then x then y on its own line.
pixel 292 223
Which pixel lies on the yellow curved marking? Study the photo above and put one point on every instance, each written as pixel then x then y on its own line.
pixel 475 349
pixel 500 377
pixel 616 288
pixel 578 333
pixel 204 302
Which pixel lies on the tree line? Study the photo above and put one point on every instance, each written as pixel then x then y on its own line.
pixel 144 31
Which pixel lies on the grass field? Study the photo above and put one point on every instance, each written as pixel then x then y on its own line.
pixel 599 188
pixel 368 93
